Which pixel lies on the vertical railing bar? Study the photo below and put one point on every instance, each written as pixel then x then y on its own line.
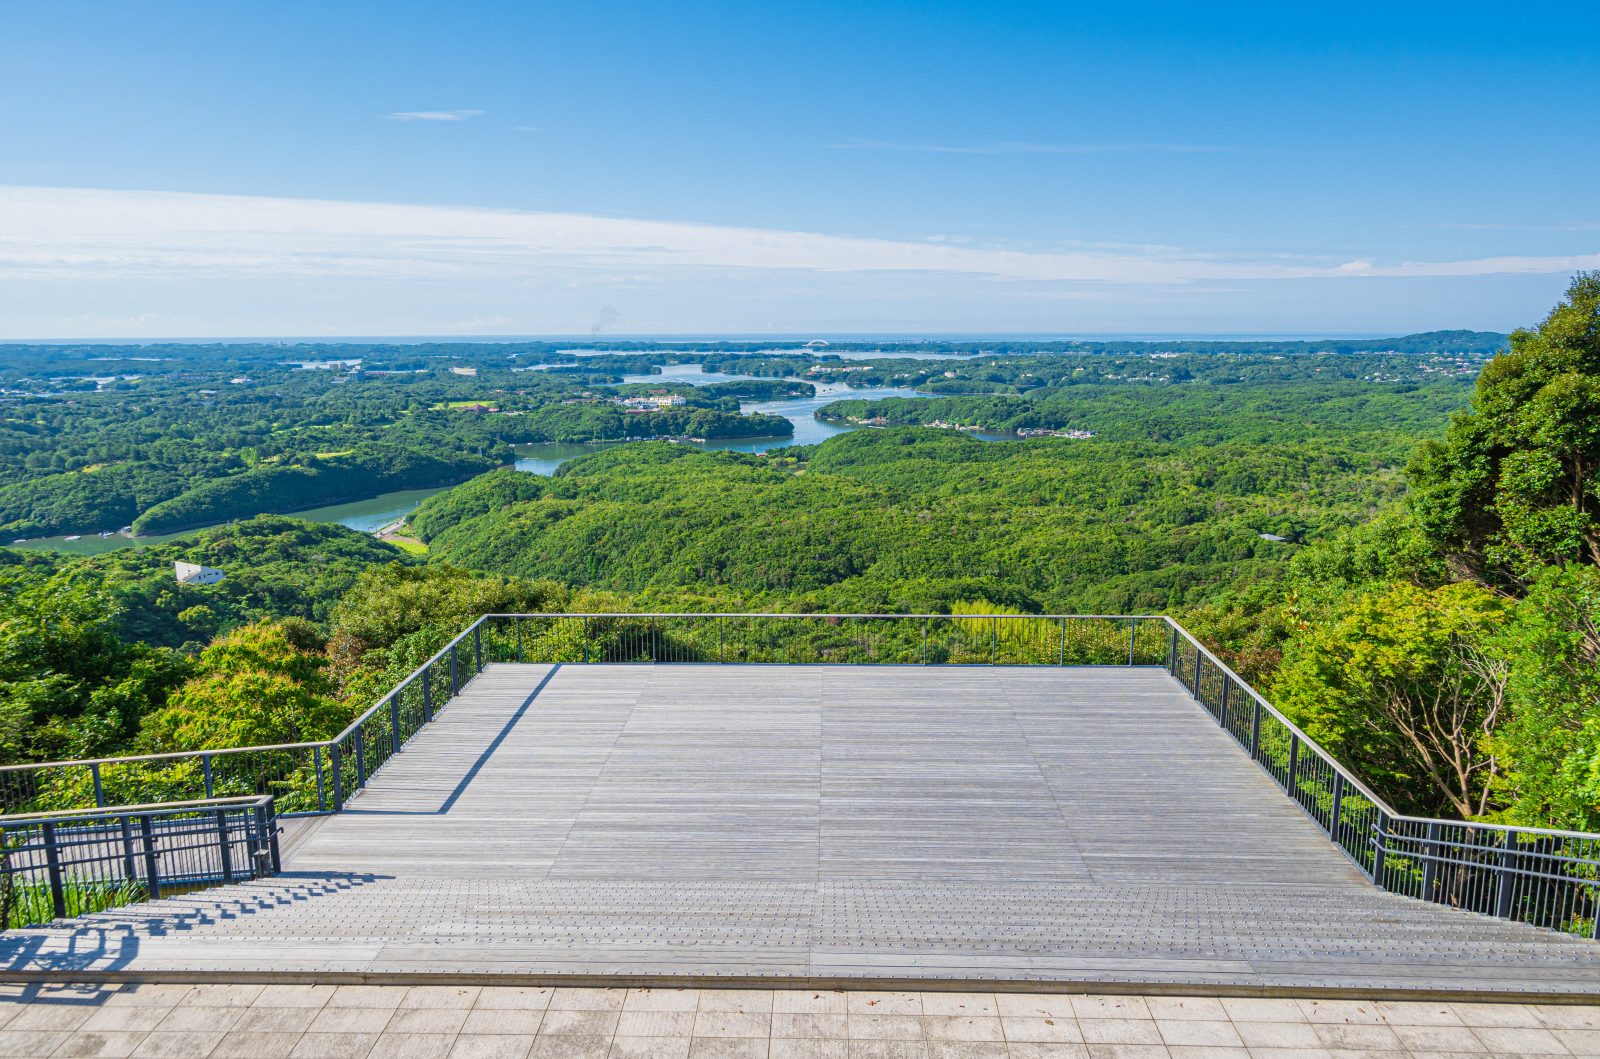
pixel 52 860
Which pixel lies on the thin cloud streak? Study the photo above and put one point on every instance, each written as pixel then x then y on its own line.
pixel 1024 147
pixel 73 234
pixel 432 115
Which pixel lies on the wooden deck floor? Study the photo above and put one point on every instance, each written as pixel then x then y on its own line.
pixel 826 824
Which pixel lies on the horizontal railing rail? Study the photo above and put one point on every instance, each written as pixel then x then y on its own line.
pixel 69 863
pixel 1543 877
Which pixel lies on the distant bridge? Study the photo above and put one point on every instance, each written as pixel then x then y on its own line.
pixel 1068 802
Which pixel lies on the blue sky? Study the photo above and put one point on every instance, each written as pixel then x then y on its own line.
pixel 176 169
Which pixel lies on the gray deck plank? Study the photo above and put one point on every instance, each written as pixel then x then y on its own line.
pixel 1023 824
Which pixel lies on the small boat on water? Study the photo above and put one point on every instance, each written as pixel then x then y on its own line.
pixel 74 537
pixel 20 540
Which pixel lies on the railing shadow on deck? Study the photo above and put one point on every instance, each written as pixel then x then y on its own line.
pixel 1543 877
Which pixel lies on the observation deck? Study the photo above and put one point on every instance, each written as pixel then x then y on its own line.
pixel 1068 827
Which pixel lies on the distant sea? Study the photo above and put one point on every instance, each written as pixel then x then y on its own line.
pixel 679 339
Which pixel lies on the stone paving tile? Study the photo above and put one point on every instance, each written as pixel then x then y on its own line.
pixel 579 1023
pixel 884 1027
pixel 1518 1040
pixel 333 1046
pixel 1199 1032
pixel 967 1050
pixel 1122 1031
pixel 256 1044
pixel 860 1049
pixel 871 1003
pixel 491 1046
pixel 661 1000
pixel 968 1028
pixel 367 996
pixel 142 1019
pixel 959 1004
pixel 113 1044
pixel 184 1044
pixel 1035 1005
pixel 588 999
pixel 808 1048
pixel 749 1001
pixel 349 1020
pixel 711 1024
pixel 810 1025
pixel 809 1001
pixel 656 1024
pixel 508 1021
pixel 412 1046
pixel 1563 1017
pixel 1107 1007
pixel 292 996
pixel 441 996
pixel 154 995
pixel 31 1043
pixel 203 1019
pixel 1041 1030
pixel 426 1020
pixel 728 1048
pixel 510 997
pixel 222 995
pixel 570 1047
pixel 656 1048
pixel 1074 1050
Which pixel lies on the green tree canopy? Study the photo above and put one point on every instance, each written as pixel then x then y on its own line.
pixel 1515 483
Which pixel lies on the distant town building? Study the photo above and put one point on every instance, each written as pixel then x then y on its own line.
pixel 1271 537
pixel 463 371
pixel 195 574
pixel 653 403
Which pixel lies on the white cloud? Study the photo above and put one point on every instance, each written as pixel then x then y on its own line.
pixel 82 233
pixel 1026 147
pixel 432 115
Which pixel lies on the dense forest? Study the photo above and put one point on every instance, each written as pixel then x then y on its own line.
pixel 1394 538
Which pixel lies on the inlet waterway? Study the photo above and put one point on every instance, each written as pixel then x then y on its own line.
pixel 375 512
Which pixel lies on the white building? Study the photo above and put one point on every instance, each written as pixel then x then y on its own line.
pixel 195 574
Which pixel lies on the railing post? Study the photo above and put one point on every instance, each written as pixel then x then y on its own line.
pixel 427 692
pixel 316 766
pixel 586 641
pixel 52 859
pixel 721 636
pixel 1198 660
pixel 127 848
pixel 477 647
pixel 335 759
pixel 1430 862
pixel 654 646
pixel 1503 877
pixel 99 787
pixel 994 639
pixel 1293 782
pixel 394 723
pixel 1255 728
pixel 1063 659
pixel 205 772
pixel 269 820
pixel 924 641
pixel 1172 653
pixel 1222 707
pixel 517 624
pixel 1380 842
pixel 1336 808
pixel 151 871
pixel 224 847
pixel 361 759
pixel 1133 625
pixel 455 673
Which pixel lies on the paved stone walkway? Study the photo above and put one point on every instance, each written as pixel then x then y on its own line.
pixel 469 1022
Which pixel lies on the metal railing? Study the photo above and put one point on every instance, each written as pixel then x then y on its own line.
pixel 1532 875
pixel 55 865
pixel 1546 878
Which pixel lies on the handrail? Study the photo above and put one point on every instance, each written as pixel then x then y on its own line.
pixel 1305 740
pixel 148 808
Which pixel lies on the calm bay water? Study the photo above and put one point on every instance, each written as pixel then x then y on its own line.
pixel 372 514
